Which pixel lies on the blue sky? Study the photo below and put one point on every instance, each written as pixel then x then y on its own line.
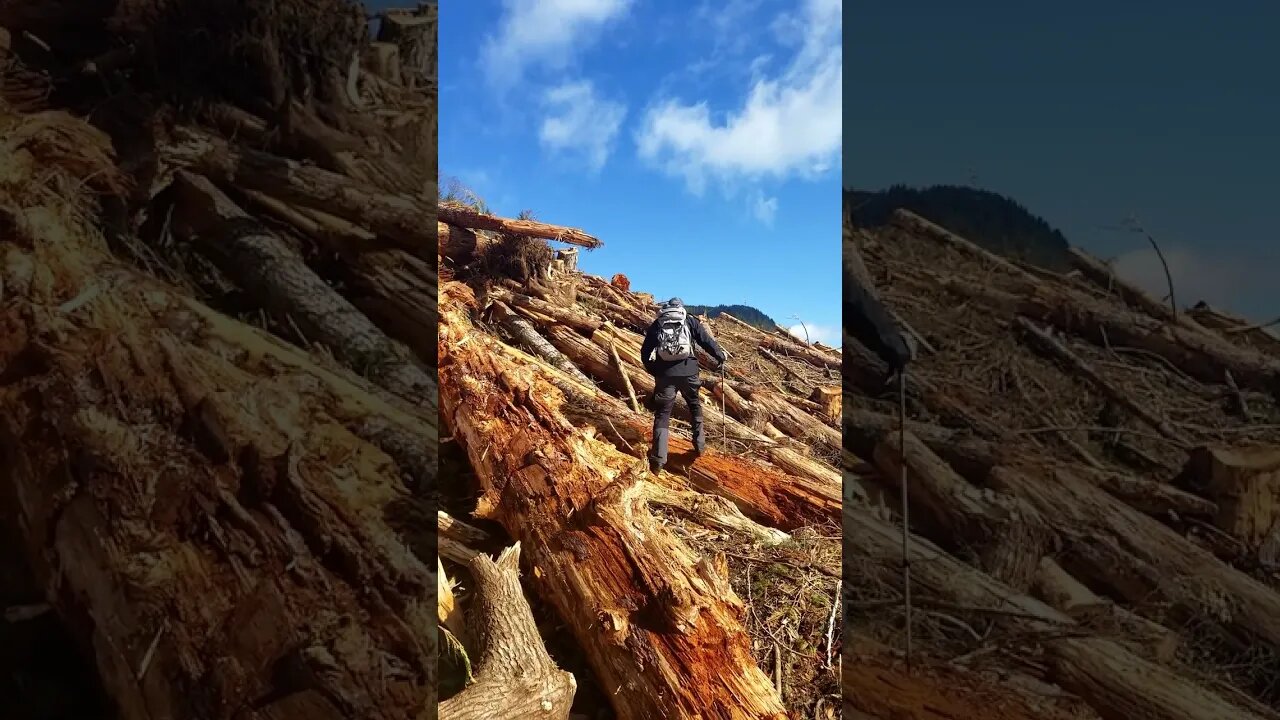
pixel 1086 113
pixel 699 141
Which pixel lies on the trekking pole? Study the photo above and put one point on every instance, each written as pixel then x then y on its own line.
pixel 724 430
pixel 906 507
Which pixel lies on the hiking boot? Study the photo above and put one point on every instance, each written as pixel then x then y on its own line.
pixel 654 466
pixel 699 449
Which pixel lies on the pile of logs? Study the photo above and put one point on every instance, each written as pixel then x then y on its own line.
pixel 543 386
pixel 1095 485
pixel 218 401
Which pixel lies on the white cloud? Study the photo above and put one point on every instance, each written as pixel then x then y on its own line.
pixel 829 336
pixel 788 125
pixel 1216 281
pixel 764 208
pixel 579 122
pixel 543 32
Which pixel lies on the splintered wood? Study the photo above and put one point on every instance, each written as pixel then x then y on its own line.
pixel 545 390
pixel 218 410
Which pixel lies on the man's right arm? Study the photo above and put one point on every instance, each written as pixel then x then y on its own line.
pixel 867 320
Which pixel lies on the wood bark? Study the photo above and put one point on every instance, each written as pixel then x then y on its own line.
pixel 397 291
pixel 459 541
pixel 408 222
pixel 515 677
pixel 270 271
pixel 1116 683
pixel 198 489
pixel 1149 639
pixel 468 218
pixel 524 333
pixel 574 502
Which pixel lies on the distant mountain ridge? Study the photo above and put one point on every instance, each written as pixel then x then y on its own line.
pixel 993 221
pixel 745 313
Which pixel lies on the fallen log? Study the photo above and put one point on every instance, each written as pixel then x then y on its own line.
pixel 1117 684
pixel 619 314
pixel 1077 366
pixel 525 334
pixel 862 369
pixel 459 541
pixel 784 414
pixel 562 315
pixel 1008 535
pixel 594 541
pixel 1110 545
pixel 626 379
pixel 744 411
pixel 408 222
pixel 397 291
pixel 1103 276
pixel 460 245
pixel 1203 356
pixel 1149 639
pixel 473 220
pixel 270 272
pixel 916 224
pixel 515 677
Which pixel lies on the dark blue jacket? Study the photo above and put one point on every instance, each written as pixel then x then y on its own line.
pixel 678 368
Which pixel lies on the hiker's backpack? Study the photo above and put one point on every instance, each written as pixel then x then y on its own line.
pixel 674 339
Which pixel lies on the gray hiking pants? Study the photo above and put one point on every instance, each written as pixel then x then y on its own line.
pixel 664 400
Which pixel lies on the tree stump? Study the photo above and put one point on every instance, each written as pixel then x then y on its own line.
pixel 1245 482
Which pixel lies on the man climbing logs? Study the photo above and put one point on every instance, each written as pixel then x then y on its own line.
pixel 669 355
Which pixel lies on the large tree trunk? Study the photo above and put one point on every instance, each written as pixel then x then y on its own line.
pixel 626 588
pixel 197 503
pixel 408 222
pixel 468 218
